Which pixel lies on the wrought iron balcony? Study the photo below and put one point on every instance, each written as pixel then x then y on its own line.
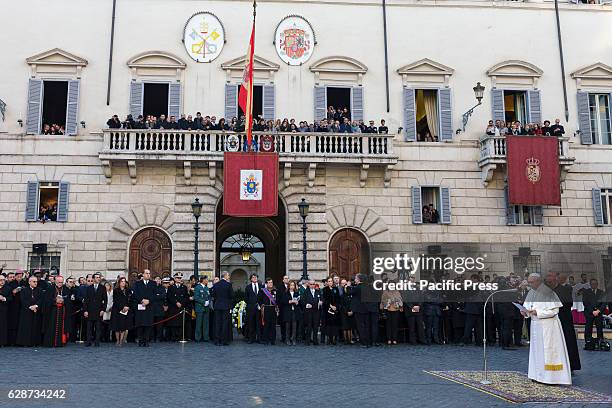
pixel 299 149
pixel 493 153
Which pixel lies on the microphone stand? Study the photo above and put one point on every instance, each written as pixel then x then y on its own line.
pixel 485 379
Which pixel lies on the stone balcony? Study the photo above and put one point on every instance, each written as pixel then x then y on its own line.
pixel 493 154
pixel 193 148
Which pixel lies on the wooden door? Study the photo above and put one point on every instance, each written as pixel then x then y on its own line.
pixel 150 249
pixel 349 253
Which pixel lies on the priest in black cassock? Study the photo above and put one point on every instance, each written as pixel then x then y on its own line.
pixel 15 282
pixel 58 314
pixel 5 300
pixel 565 316
pixel 178 301
pixel 29 330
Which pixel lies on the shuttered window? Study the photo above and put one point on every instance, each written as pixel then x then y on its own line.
pixel 602 206
pixel 535 109
pixel 47 201
pixel 231 102
pixel 174 100
pixel 269 102
pixel 410 133
pixel 34 114
pixel 431 205
pixel 446 115
pixel 72 108
pixel 357 103
pixel 497 103
pixel 136 98
pixel 320 103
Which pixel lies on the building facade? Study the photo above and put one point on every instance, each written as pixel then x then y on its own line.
pixel 123 198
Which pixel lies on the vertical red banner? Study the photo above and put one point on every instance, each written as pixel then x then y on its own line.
pixel 533 170
pixel 250 184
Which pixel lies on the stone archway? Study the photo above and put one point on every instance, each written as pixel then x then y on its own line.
pixel 129 223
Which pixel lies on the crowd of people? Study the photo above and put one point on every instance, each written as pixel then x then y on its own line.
pixel 44 309
pixel 430 214
pixel 501 128
pixel 337 121
pixel 53 129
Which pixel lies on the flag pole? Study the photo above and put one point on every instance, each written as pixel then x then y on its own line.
pixel 250 116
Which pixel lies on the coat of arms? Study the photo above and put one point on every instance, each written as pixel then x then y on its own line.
pixel 295 40
pixel 267 143
pixel 250 184
pixel 532 171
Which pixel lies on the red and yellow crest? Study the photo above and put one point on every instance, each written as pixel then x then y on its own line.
pixel 532 170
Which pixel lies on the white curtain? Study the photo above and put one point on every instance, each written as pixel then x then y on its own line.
pixel 431 109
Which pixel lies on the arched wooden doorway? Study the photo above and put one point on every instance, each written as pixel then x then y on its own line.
pixel 151 249
pixel 349 253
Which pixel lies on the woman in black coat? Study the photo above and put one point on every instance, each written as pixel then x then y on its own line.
pixel 347 319
pixel 121 315
pixel 291 312
pixel 331 310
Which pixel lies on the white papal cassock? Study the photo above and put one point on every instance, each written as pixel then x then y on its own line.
pixel 548 359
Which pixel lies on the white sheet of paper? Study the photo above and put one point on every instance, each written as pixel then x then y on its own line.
pixel 141 307
pixel 520 307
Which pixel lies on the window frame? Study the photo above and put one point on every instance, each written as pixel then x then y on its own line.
pixel 528 264
pixel 50 254
pixel 606 204
pixel 437 202
pixel 596 131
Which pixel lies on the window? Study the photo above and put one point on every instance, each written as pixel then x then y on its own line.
pixel 257 102
pixel 606 205
pixel 599 112
pixel 430 197
pixel 515 106
pixel 427 116
pixel 47 201
pixel 155 99
pixel 527 215
pixel 55 102
pixel 526 264
pixel 340 99
pixel 431 205
pixel 44 261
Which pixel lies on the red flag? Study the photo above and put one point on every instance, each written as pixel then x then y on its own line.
pixel 245 96
pixel 533 170
pixel 250 184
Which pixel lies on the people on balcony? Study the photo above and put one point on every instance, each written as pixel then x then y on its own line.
pixel 501 128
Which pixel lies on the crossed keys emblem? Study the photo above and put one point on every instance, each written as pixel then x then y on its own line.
pixel 204 46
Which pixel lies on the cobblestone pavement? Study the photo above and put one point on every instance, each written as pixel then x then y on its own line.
pixel 242 375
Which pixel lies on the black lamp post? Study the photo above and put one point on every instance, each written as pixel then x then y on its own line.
pixel 196 208
pixel 479 93
pixel 304 206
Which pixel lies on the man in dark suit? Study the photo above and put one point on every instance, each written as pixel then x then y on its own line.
pixel 143 297
pixel 282 294
pixel 94 305
pixel 359 308
pixel 159 307
pixel 413 310
pixel 557 129
pixel 252 313
pixel 594 307
pixel 311 302
pixel 223 302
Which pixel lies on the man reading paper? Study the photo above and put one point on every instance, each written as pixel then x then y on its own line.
pixel 548 359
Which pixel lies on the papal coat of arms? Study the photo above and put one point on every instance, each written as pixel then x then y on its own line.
pixel 294 40
pixel 532 170
pixel 232 143
pixel 203 37
pixel 250 184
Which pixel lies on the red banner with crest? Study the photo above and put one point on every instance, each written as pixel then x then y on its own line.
pixel 250 184
pixel 533 170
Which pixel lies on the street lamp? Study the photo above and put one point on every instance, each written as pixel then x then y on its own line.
pixel 479 93
pixel 196 208
pixel 303 207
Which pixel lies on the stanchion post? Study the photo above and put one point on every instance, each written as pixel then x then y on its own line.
pixel 183 341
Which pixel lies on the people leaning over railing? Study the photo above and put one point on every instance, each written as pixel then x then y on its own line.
pixel 501 128
pixel 330 124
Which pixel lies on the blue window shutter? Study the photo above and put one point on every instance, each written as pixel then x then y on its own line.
pixel 320 103
pixel 445 205
pixel 597 207
pixel 174 100
pixel 409 115
pixel 31 213
pixel 417 211
pixel 537 215
pixel 357 103
pixel 231 101
pixel 269 102
pixel 584 118
pixel 510 215
pixel 62 201
pixel 136 98
pixel 446 115
pixel 35 95
pixel 72 108
pixel 497 102
pixel 535 106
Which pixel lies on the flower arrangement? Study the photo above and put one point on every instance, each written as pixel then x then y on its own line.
pixel 239 315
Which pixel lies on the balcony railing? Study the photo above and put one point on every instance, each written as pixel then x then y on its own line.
pixel 323 145
pixel 493 153
pixel 305 149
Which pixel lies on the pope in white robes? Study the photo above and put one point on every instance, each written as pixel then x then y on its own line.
pixel 548 359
